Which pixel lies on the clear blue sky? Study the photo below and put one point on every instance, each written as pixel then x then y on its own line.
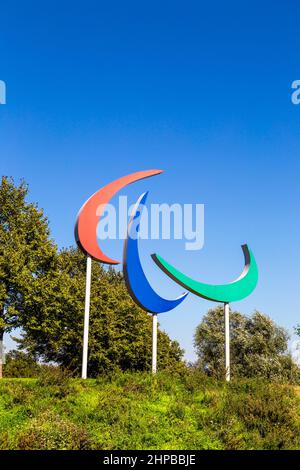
pixel 96 90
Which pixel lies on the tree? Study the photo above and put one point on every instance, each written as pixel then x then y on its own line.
pixel 120 332
pixel 26 252
pixel 258 346
pixel 21 364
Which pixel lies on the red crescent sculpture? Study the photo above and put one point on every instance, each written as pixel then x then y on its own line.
pixel 91 212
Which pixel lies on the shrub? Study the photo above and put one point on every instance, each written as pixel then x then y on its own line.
pixel 137 411
pixel 20 364
pixel 56 378
pixel 53 433
pixel 260 415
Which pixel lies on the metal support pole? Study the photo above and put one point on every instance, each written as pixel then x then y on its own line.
pixel 86 316
pixel 154 343
pixel 227 341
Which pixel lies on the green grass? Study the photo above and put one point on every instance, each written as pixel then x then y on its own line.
pixel 134 411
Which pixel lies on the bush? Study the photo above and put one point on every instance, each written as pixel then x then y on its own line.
pixel 19 364
pixel 259 415
pixel 127 411
pixel 53 375
pixel 50 432
pixel 57 378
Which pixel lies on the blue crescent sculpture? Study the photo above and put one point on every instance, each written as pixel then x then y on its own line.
pixel 136 281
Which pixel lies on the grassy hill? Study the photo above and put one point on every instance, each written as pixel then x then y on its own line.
pixel 133 411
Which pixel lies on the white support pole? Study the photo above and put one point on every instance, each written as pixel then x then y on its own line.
pixel 86 316
pixel 227 341
pixel 154 343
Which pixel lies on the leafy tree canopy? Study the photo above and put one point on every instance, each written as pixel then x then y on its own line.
pixel 26 251
pixel 120 332
pixel 42 292
pixel 259 347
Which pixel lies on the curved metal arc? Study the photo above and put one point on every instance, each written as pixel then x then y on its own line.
pixel 234 291
pixel 136 281
pixel 91 212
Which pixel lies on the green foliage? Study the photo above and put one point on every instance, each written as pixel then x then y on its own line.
pixel 259 415
pixel 259 348
pixel 26 252
pixel 21 364
pixel 53 375
pixel 56 379
pixel 50 432
pixel 120 332
pixel 122 411
pixel 42 292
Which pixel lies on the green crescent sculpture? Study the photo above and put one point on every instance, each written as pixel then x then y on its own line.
pixel 232 292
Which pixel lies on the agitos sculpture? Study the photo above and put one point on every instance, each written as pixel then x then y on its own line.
pixel 137 283
pixel 225 293
pixel 86 238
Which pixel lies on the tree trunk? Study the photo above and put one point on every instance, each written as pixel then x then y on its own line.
pixel 1 353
